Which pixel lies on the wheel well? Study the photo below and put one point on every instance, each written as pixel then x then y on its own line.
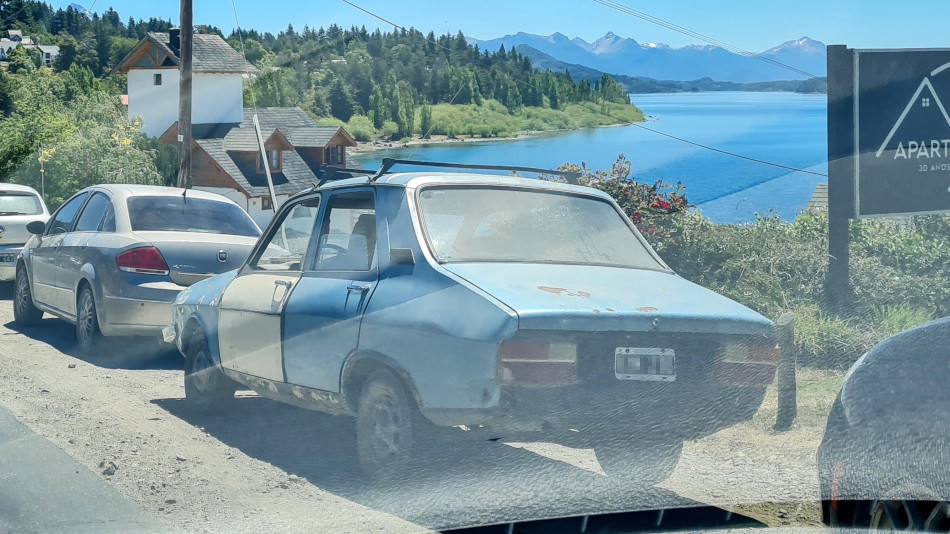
pixel 192 327
pixel 83 283
pixel 360 370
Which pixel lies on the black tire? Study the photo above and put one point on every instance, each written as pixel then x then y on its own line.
pixel 640 465
pixel 206 385
pixel 88 335
pixel 25 313
pixel 384 426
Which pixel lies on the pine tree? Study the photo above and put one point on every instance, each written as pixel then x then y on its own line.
pixel 425 120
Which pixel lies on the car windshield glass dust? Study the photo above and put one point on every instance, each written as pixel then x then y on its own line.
pixel 180 214
pixel 478 224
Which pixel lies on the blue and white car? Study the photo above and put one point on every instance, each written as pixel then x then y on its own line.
pixel 423 299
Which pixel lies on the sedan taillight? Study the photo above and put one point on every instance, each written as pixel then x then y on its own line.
pixel 142 260
pixel 538 363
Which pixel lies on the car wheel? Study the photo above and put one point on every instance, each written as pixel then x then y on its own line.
pixel 206 385
pixel 24 312
pixel 639 465
pixel 910 515
pixel 384 426
pixel 88 335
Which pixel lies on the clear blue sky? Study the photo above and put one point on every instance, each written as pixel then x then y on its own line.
pixel 750 24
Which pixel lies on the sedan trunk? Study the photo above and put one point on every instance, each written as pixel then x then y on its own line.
pixel 192 257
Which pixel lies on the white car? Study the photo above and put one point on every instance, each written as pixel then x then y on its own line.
pixel 19 205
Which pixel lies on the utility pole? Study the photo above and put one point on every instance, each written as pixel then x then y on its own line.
pixel 184 96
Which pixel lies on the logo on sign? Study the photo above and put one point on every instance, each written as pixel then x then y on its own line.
pixel 924 111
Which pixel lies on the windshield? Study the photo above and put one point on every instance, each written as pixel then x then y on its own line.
pixel 181 214
pixel 466 224
pixel 20 204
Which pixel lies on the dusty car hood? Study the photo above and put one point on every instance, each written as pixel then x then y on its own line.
pixel 594 298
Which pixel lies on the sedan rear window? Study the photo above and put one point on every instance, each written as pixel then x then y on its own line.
pixel 182 214
pixel 492 224
pixel 20 204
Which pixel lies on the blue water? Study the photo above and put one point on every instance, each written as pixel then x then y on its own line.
pixel 784 128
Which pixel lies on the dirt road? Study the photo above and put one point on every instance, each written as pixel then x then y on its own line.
pixel 262 466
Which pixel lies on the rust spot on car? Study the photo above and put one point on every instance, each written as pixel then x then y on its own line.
pixel 562 291
pixel 610 309
pixel 647 309
pixel 596 311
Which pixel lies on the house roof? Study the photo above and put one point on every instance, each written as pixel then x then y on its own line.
pixel 48 49
pixel 819 199
pixel 223 142
pixel 210 53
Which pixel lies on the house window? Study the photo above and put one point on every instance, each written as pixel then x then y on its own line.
pixel 266 203
pixel 335 155
pixel 157 79
pixel 273 160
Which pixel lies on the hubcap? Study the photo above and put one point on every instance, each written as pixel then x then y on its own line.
pixel 910 515
pixel 203 378
pixel 87 317
pixel 388 431
pixel 22 294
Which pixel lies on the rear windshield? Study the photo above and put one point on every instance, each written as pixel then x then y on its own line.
pixel 182 214
pixel 20 204
pixel 494 224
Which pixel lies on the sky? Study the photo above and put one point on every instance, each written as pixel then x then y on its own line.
pixel 753 25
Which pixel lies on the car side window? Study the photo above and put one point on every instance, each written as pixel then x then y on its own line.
pixel 108 220
pixel 287 243
pixel 93 213
pixel 348 234
pixel 63 220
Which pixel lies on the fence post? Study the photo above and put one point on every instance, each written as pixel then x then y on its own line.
pixel 785 380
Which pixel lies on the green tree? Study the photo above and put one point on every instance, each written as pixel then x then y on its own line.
pixel 20 61
pixel 341 101
pixel 425 120
pixel 6 94
pixel 68 50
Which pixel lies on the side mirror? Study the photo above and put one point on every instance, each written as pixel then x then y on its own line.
pixel 36 227
pixel 401 256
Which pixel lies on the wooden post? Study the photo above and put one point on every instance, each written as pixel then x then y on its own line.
pixel 184 96
pixel 841 200
pixel 785 373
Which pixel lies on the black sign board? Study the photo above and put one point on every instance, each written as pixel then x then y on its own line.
pixel 901 132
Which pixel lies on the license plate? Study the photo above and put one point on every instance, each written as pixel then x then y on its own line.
pixel 7 258
pixel 644 363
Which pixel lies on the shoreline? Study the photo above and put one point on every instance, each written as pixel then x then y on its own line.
pixel 442 139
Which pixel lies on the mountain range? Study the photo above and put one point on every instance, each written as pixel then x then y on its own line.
pixel 618 55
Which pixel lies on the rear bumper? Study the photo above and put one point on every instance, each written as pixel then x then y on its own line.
pixel 8 257
pixel 144 310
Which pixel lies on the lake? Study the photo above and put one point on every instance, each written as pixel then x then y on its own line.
pixel 784 128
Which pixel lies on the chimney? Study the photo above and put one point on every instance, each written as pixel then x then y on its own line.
pixel 174 39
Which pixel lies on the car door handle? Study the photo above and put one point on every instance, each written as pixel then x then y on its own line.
pixel 284 283
pixel 358 287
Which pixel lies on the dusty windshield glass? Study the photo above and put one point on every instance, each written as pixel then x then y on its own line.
pixel 466 224
pixel 13 204
pixel 181 214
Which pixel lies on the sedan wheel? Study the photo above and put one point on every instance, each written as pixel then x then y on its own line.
pixel 87 322
pixel 911 515
pixel 206 386
pixel 384 426
pixel 24 312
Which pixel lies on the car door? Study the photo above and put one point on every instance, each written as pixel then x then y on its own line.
pixel 72 252
pixel 323 314
pixel 249 322
pixel 44 254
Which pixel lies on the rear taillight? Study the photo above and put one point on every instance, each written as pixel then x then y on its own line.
pixel 741 353
pixel 143 260
pixel 537 363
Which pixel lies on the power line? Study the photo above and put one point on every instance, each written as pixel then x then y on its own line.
pixel 686 31
pixel 700 145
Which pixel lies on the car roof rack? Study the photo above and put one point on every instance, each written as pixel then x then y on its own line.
pixel 389 163
pixel 327 173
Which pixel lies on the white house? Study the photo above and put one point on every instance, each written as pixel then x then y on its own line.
pixel 226 152
pixel 48 53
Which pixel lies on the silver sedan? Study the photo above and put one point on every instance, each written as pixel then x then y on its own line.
pixel 113 257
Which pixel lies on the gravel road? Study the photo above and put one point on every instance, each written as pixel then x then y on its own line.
pixel 263 466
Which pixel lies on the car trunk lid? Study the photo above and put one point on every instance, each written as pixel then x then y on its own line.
pixel 609 299
pixel 192 257
pixel 14 228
